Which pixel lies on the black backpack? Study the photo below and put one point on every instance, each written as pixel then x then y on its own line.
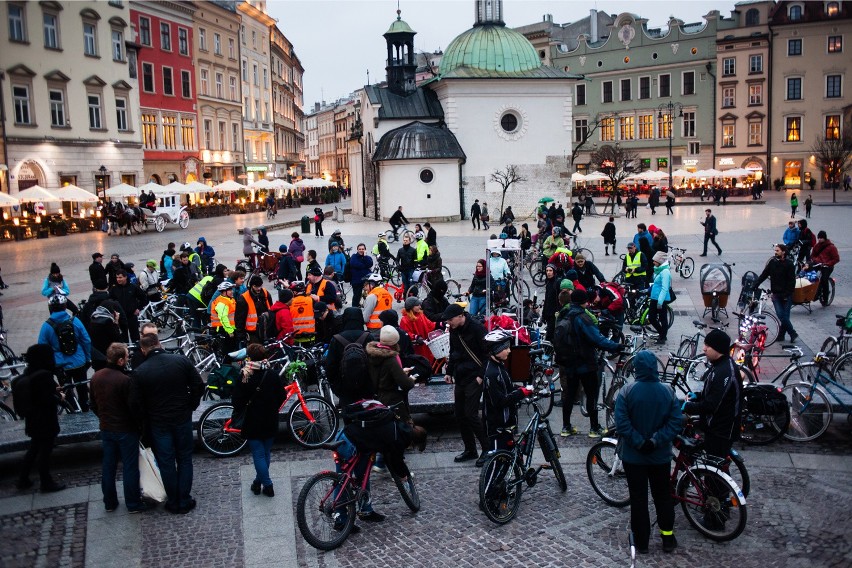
pixel 347 271
pixel 66 335
pixel 354 379
pixel 565 340
pixel 267 328
pixel 208 291
pixel 22 394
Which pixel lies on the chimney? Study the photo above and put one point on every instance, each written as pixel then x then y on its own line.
pixel 593 25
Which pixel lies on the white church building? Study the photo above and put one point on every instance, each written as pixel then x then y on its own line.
pixel 433 147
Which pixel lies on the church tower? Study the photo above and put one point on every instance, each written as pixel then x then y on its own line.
pixel 489 13
pixel 401 67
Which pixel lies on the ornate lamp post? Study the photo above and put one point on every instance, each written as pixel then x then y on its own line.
pixel 669 109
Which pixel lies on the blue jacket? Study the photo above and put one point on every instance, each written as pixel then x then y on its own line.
pixel 791 236
pixel 337 260
pixel 646 236
pixel 647 409
pixel 46 336
pixel 360 266
pixel 662 284
pixel 207 254
pixel 589 339
pixel 48 289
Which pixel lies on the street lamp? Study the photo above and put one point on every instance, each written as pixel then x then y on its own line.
pixel 669 109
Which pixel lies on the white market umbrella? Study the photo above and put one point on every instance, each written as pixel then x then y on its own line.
pixel 151 186
pixel 260 184
pixel 711 173
pixel 35 194
pixel 7 200
pixel 577 176
pixel 74 193
pixel 596 176
pixel 122 190
pixel 737 173
pixel 229 185
pixel 197 187
pixel 682 174
pixel 281 184
pixel 175 187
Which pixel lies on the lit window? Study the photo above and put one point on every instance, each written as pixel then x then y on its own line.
pixel 755 94
pixel 832 9
pixel 794 129
pixel 149 131
pixel 832 127
pixel 187 132
pixel 646 126
pixel 729 132
pixel 170 133
pixel 835 44
pixel 607 129
pixel 728 97
pixel 755 133
pixel 664 126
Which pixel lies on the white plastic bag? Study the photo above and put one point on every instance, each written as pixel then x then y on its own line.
pixel 149 476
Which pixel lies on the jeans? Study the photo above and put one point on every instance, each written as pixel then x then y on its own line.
pixel 407 274
pixel 261 453
pixel 639 477
pixel 657 317
pixel 467 393
pixel 571 381
pixel 783 304
pixel 710 237
pixel 126 446
pixel 477 305
pixel 173 450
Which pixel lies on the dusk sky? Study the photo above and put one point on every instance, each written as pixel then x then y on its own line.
pixel 338 41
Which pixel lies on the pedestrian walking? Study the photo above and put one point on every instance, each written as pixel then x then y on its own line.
pixel 577 215
pixel 782 280
pixel 809 202
pixel 794 205
pixel 670 201
pixel 485 217
pixel 297 249
pixel 476 214
pixel 847 182
pixel 319 217
pixel 648 418
pixel 710 231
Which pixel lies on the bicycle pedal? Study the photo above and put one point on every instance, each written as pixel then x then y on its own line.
pixel 546 466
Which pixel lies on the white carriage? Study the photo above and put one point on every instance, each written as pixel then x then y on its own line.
pixel 169 211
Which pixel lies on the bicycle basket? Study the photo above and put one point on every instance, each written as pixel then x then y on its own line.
pixel 764 400
pixel 440 346
pixel 749 280
pixel 715 278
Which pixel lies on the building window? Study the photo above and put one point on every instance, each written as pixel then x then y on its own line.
pixel 832 127
pixel 833 86
pixel 231 48
pixel 795 13
pixel 235 137
pixel 165 36
pixel 607 129
pixel 755 94
pixel 755 133
pixel 121 114
pixel 835 44
pixel 145 31
pixel 626 89
pixel 728 97
pixel 117 45
pixel 646 126
pixel 256 109
pixel 187 132
pixel 688 83
pixel 254 43
pixel 793 129
pixel 208 134
pixel 832 9
pixel 729 133
pixel 245 71
pixel 427 175
pixel 232 87
pixel 581 94
pixel 148 77
pixel 255 75
pixel 17 24
pixel 664 126
pixel 202 39
pixel 729 67
pixel 627 128
pixel 222 137
pixel 21 101
pixel 665 85
pixel 265 112
pixel 246 108
pixel 509 122
pixel 90 41
pixel 149 131
pixel 267 153
pixel 755 64
pixel 794 88
pixel 265 77
pixel 168 85
pixel 644 87
pixel 217 44
pixel 581 130
pixel 688 125
pixel 186 84
pixel 794 47
pixel 205 88
pixel 95 122
pixel 183 41
pixel 220 93
pixel 57 107
pixel 51 31
pixel 752 17
pixel 693 148
pixel 243 34
pixel 170 133
pixel 606 92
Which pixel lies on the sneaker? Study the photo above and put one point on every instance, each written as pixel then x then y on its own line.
pixel 140 509
pixel 597 432
pixel 669 542
pixel 371 517
pixel 255 487
pixel 569 431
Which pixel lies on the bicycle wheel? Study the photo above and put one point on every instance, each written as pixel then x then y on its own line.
pixel 714 308
pixel 810 412
pixel 712 504
pixel 804 373
pixel 773 326
pixel 391 236
pixel 317 430
pixel 520 290
pixel 609 401
pixel 619 278
pixel 763 429
pixel 203 360
pixel 737 471
pixel 445 272
pixel 7 414
pixel 831 348
pixel 589 255
pixel 606 474
pixel 842 370
pixel 315 511
pixel 537 272
pixel 828 295
pixel 501 487
pixel 395 276
pixel 408 490
pixel 550 450
pixel 687 268
pixel 212 435
pixel 453 287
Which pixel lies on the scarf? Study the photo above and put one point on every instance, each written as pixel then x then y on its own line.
pixel 480 273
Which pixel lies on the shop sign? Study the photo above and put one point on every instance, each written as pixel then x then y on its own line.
pixel 662 163
pixel 256 168
pixel 726 161
pixel 26 173
pixel 690 162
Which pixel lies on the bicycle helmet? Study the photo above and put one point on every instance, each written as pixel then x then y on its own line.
pixel 419 235
pixel 298 287
pixel 226 285
pixel 185 246
pixel 374 278
pixel 498 340
pixel 381 235
pixel 57 300
pixel 504 236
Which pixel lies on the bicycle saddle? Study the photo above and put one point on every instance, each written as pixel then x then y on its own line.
pixel 534 352
pixel 510 430
pixel 698 324
pixel 332 445
pixel 686 444
pixel 637 329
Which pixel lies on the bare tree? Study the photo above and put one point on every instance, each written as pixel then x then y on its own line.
pixel 506 177
pixel 834 157
pixel 616 163
pixel 585 136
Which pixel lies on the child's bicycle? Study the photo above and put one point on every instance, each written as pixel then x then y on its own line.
pixel 503 476
pixel 329 501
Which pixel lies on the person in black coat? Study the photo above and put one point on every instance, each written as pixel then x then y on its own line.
pixel 551 300
pixel 259 395
pixel 42 423
pixel 500 397
pixel 112 267
pixel 97 272
pixel 104 330
pixel 131 298
pixel 353 331
pixel 436 302
pixel 431 235
pixel 608 235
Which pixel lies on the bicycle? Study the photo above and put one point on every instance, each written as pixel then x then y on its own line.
pixel 811 411
pixel 421 279
pixel 506 471
pixel 708 495
pixel 835 346
pixel 680 263
pixel 637 306
pixel 757 302
pixel 688 348
pixel 68 401
pixel 312 419
pixel 825 296
pixel 401 232
pixel 6 412
pixel 328 494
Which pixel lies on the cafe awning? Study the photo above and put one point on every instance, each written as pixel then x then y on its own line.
pixel 76 194
pixel 122 190
pixel 36 194
pixel 7 200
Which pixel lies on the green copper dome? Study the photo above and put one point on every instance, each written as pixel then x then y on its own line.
pixel 490 48
pixel 399 26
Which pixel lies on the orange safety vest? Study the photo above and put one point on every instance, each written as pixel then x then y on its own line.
pixel 214 317
pixel 320 288
pixel 384 301
pixel 251 319
pixel 302 310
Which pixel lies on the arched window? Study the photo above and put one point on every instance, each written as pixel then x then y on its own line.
pixel 795 13
pixel 752 17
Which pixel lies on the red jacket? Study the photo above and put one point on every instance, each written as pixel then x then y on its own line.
pixel 825 253
pixel 611 298
pixel 283 320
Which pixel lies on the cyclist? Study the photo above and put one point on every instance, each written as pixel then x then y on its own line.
pixel 807 240
pixel 271 205
pixel 782 278
pixel 553 242
pixel 382 254
pixel 499 271
pixel 824 253
pixel 248 249
pixel 397 220
pixel 635 267
pixel 500 397
pixel 377 300
pixel 421 250
pixel 222 315
pixel 587 272
pixel 71 344
pixel 321 289
pixel 405 261
pixel 206 253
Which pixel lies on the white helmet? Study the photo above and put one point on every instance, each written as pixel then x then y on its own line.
pixel 226 285
pixel 185 246
pixel 381 235
pixel 374 278
pixel 498 340
pixel 419 235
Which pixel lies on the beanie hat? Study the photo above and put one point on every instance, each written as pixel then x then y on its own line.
pixel 255 281
pixel 389 317
pixel 411 302
pixel 571 275
pixel 579 297
pixel 151 262
pixel 388 336
pixel 718 340
pixel 566 285
pixel 285 295
pixel 660 257
pixel 652 229
pixel 822 235
pixel 54 268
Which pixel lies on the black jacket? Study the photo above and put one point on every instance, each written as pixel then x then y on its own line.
pixel 241 310
pixel 434 306
pixel 719 403
pixel 398 218
pixel 95 299
pixel 608 233
pixel 130 297
pixel 111 268
pixel 588 273
pixel 475 210
pixel 265 390
pixel 577 212
pixel 781 274
pixel 500 398
pixel 405 257
pixel 42 421
pixel 431 237
pixel 104 331
pixel 353 328
pixel 460 364
pixel 97 272
pixel 166 388
pixel 183 278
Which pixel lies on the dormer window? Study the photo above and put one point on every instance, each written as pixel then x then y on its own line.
pixel 795 13
pixel 832 9
pixel 752 17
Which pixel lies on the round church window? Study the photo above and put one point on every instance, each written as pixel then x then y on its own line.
pixel 509 122
pixel 427 175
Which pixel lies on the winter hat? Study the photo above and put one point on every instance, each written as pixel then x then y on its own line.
pixel 285 295
pixel 718 340
pixel 822 235
pixel 255 281
pixel 411 303
pixel 571 275
pixel 388 336
pixel 579 297
pixel 54 268
pixel 453 310
pixel 566 285
pixel 660 257
pixel 652 229
pixel 389 317
pixel 315 271
pixel 152 263
pixel 40 358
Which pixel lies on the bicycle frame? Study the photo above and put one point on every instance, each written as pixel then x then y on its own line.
pixel 347 473
pixel 291 389
pixel 820 380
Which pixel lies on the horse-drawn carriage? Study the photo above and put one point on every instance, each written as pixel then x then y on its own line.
pixel 169 211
